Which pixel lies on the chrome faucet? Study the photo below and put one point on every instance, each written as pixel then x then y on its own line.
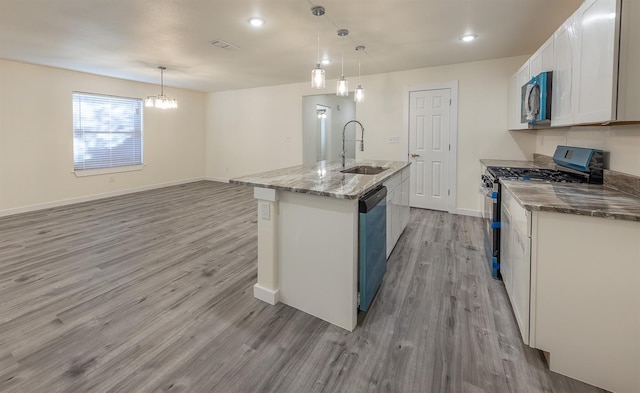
pixel 361 140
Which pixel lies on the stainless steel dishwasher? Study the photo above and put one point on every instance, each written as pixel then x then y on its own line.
pixel 372 247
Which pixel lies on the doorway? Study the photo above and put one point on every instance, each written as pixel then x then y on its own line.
pixel 323 117
pixel 432 127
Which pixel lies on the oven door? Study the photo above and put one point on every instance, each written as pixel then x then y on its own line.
pixel 491 218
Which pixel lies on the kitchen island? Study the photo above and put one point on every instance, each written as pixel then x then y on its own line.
pixel 308 235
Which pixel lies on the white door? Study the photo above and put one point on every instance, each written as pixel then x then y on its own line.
pixel 429 137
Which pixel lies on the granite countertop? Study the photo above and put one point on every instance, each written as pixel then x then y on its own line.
pixel 324 178
pixel 572 198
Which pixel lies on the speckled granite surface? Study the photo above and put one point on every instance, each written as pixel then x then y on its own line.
pixel 622 182
pixel 324 179
pixel 583 199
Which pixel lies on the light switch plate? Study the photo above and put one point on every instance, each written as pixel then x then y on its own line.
pixel 394 139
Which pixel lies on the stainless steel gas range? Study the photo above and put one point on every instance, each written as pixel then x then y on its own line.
pixel 574 165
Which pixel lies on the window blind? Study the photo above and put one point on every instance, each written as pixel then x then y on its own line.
pixel 107 131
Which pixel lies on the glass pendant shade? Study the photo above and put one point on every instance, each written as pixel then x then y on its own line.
pixel 342 88
pixel 358 94
pixel 317 74
pixel 317 77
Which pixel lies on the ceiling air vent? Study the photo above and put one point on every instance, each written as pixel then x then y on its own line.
pixel 224 45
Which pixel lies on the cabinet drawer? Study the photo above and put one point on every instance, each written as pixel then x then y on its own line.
pixel 520 217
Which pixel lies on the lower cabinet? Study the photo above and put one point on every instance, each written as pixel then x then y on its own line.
pixel 574 286
pixel 585 298
pixel 397 207
pixel 515 266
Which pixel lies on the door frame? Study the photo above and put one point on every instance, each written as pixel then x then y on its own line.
pixel 453 133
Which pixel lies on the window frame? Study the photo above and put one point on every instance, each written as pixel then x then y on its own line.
pixel 80 172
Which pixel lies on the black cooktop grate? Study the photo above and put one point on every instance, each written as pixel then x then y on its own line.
pixel 540 174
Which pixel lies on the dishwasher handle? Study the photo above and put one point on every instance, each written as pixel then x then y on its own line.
pixel 371 199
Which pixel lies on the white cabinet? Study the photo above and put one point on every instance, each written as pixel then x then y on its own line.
pixel 585 297
pixel 515 264
pixel 543 59
pixel 595 57
pixel 404 200
pixel 397 207
pixel 565 43
pixel 595 77
pixel 516 82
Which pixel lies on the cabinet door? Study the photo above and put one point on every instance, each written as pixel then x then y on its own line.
pixel 521 279
pixel 595 76
pixel 565 44
pixel 542 60
pixel 405 204
pixel 515 258
pixel 515 98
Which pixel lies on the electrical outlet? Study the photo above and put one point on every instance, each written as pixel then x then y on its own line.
pixel 394 139
pixel 265 211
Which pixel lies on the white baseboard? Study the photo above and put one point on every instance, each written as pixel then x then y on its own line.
pixel 468 212
pixel 265 294
pixel 88 198
pixel 218 179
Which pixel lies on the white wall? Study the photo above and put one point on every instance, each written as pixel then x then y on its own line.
pixel 255 130
pixel 36 138
pixel 621 144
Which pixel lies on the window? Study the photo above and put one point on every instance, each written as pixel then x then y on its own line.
pixel 107 132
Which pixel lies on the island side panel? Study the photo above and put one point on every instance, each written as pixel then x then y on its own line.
pixel 267 287
pixel 318 254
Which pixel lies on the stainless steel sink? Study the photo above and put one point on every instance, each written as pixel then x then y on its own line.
pixel 365 170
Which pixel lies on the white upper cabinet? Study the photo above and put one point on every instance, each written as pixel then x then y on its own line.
pixel 596 71
pixel 542 60
pixel 565 43
pixel 595 61
pixel 516 82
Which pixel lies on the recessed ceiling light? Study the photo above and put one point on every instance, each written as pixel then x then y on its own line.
pixel 468 37
pixel 255 21
pixel 325 61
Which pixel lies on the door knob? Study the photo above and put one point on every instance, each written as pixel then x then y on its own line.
pixel 414 155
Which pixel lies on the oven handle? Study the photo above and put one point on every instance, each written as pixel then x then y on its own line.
pixel 488 192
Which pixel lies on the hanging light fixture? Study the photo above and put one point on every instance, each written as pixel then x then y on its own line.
pixel 342 88
pixel 317 74
pixel 358 94
pixel 161 101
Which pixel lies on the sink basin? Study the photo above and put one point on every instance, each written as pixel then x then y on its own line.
pixel 365 170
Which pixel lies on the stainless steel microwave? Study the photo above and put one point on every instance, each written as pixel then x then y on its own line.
pixel 536 99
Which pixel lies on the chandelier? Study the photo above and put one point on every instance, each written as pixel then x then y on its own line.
pixel 161 101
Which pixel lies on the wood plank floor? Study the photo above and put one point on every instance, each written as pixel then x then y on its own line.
pixel 152 292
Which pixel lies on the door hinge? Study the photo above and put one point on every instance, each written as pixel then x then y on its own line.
pixel 449 147
pixel 449 192
pixel 449 101
pixel 358 301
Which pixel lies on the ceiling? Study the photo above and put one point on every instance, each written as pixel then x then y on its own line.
pixel 129 39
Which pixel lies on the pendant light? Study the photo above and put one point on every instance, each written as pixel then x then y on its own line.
pixel 161 101
pixel 342 87
pixel 317 74
pixel 358 94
